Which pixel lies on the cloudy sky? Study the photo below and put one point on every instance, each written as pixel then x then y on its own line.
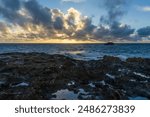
pixel 71 21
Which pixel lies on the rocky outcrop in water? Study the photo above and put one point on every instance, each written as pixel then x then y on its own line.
pixel 41 76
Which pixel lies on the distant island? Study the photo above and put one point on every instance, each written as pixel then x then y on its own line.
pixel 109 43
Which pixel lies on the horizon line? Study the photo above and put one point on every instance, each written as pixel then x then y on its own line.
pixel 75 43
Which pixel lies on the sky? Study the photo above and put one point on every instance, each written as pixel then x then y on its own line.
pixel 74 21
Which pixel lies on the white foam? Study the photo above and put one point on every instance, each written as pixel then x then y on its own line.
pixel 76 52
pixel 133 80
pixel 23 84
pixel 92 85
pixel 142 75
pixel 92 56
pixel 110 76
pixel 103 82
pixel 144 81
pixel 122 57
pixel 71 83
pixel 120 70
pixel 83 55
pixel 124 70
pixel 82 91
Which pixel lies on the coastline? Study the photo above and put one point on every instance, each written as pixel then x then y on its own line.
pixel 40 76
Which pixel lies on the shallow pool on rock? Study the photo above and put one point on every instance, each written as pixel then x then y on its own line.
pixel 65 94
pixel 68 95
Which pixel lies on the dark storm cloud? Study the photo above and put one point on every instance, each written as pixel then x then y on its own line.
pixel 38 21
pixel 115 11
pixel 101 33
pixel 87 29
pixel 39 14
pixel 58 24
pixel 11 4
pixel 88 26
pixel 118 30
pixel 9 10
pixel 115 31
pixel 144 32
pixel 12 16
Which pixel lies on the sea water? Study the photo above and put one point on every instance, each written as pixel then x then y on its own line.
pixel 82 51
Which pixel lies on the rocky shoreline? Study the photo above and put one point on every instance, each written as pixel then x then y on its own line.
pixel 39 76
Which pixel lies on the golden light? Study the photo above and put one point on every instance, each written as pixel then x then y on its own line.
pixel 53 41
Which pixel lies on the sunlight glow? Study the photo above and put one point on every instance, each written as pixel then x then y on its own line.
pixel 55 41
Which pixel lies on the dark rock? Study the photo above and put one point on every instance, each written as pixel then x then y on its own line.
pixel 111 59
pixel 47 74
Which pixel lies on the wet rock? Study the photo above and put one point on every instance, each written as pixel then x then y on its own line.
pixel 111 59
pixel 2 64
pixel 84 82
pixel 138 60
pixel 38 76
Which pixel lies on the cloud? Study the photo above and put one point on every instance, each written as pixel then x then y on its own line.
pixel 86 32
pixel 74 1
pixel 10 11
pixel 110 26
pixel 115 32
pixel 115 10
pixel 26 19
pixel 3 27
pixel 144 8
pixel 29 20
pixel 11 4
pixel 58 24
pixel 39 14
pixel 121 31
pixel 144 32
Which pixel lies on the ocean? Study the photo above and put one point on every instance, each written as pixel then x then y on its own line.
pixel 82 51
